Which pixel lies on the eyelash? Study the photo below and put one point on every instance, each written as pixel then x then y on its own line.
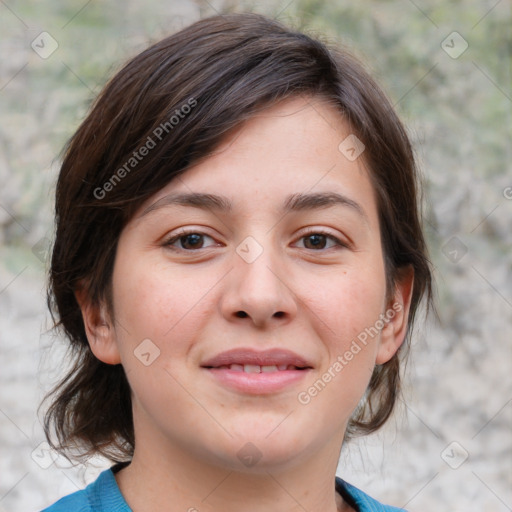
pixel 186 232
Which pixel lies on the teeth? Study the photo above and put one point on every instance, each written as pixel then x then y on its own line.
pixel 252 368
pixel 255 368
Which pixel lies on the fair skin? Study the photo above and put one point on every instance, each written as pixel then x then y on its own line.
pixel 310 295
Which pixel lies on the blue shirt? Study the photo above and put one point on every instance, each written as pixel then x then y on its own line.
pixel 103 495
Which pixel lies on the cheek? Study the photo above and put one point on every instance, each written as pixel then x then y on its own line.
pixel 158 316
pixel 347 327
pixel 156 302
pixel 349 305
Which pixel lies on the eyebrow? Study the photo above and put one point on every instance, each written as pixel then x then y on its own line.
pixel 293 203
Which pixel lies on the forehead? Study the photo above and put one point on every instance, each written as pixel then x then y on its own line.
pixel 290 148
pixel 306 129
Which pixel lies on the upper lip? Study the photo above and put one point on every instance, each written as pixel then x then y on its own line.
pixel 242 356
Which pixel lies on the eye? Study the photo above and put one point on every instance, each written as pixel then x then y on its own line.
pixel 188 240
pixel 317 240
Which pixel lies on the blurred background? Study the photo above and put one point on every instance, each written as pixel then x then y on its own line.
pixel 447 67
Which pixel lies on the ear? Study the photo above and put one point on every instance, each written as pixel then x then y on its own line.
pixel 99 328
pixel 396 317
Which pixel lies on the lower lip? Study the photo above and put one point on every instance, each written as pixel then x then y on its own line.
pixel 257 383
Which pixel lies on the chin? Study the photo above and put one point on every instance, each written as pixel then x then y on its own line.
pixel 260 452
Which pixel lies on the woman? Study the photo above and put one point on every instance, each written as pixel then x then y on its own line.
pixel 238 262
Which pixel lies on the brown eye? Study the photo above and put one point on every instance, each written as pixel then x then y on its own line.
pixel 319 240
pixel 192 241
pixel 316 241
pixel 188 241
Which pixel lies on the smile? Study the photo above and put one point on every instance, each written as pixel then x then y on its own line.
pixel 255 368
pixel 249 371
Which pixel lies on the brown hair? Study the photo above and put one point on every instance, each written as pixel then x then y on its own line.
pixel 191 89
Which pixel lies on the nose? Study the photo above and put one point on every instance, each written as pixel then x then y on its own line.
pixel 259 291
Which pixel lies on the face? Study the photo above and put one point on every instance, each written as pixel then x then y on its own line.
pixel 255 310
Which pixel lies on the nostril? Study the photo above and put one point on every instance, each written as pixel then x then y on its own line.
pixel 279 314
pixel 241 314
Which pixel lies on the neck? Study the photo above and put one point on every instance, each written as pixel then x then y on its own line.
pixel 164 480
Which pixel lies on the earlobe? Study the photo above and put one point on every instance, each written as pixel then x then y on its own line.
pixel 99 329
pixel 397 317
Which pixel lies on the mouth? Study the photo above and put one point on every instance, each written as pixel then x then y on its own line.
pixel 256 368
pixel 252 372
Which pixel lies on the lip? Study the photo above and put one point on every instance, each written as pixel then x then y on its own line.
pixel 257 383
pixel 273 357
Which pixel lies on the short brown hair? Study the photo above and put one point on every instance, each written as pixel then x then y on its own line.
pixel 225 68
